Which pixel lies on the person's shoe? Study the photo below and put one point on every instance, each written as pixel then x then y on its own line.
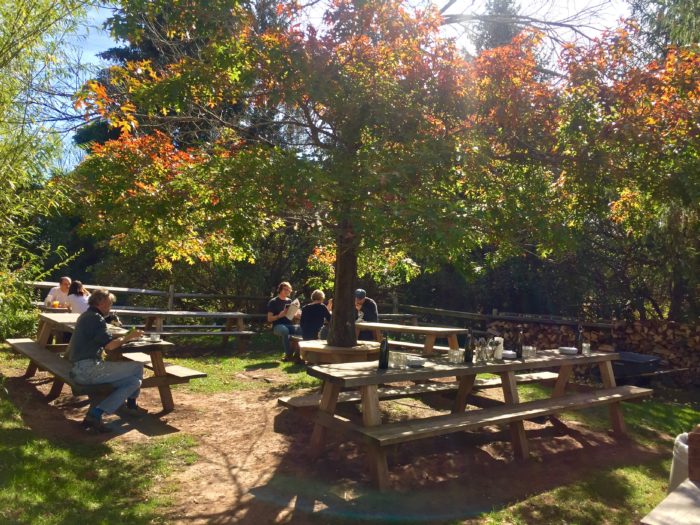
pixel 287 359
pixel 93 423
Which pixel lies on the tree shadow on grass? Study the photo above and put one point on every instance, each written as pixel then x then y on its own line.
pixel 447 478
pixel 52 480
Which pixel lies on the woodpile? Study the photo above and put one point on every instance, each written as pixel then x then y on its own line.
pixel 677 344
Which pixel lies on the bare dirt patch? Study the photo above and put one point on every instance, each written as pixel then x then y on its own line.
pixel 253 465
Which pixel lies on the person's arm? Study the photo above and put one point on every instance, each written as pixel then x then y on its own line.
pixel 330 305
pixel 273 317
pixel 373 312
pixel 119 341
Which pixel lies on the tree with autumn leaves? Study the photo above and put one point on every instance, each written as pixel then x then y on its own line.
pixel 373 129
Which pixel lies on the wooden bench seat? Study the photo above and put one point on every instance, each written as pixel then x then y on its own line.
pixel 181 372
pixel 313 400
pixel 405 431
pixel 319 352
pixel 244 333
pixel 56 365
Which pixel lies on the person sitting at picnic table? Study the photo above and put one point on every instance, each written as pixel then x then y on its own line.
pixel 89 342
pixel 314 314
pixel 282 326
pixel 366 311
pixel 58 293
pixel 77 298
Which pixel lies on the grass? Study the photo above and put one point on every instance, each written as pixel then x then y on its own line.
pixel 48 481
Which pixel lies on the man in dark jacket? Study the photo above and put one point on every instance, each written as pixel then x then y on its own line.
pixel 89 342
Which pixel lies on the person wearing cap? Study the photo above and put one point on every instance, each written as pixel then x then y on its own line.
pixel 366 311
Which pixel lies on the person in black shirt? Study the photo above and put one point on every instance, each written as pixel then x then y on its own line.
pixel 283 327
pixel 314 314
pixel 366 311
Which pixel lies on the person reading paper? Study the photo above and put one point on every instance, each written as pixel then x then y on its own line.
pixel 282 325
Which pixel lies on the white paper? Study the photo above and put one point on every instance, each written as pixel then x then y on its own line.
pixel 293 309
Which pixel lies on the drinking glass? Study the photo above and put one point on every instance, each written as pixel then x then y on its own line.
pixel 154 338
pixel 586 348
pixel 529 352
pixel 481 349
pixel 492 346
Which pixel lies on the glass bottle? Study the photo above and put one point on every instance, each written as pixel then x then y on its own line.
pixel 469 349
pixel 519 344
pixel 579 339
pixel 384 352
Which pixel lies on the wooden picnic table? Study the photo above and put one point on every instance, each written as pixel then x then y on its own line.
pixel 154 320
pixel 430 333
pixel 149 353
pixel 366 378
pixel 681 506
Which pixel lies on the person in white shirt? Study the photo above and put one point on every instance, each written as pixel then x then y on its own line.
pixel 77 298
pixel 59 293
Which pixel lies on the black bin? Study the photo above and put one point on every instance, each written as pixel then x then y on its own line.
pixel 631 365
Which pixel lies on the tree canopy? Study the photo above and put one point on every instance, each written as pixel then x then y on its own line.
pixel 372 129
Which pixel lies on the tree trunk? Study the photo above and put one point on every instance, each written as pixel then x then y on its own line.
pixel 342 330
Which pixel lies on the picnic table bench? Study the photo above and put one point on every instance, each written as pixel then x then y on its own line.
pixel 44 356
pixel 155 322
pixel 365 378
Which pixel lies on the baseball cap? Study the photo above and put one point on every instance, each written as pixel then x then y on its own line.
pixel 360 293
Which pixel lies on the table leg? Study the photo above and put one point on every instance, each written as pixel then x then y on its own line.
pixel 43 337
pixel 166 395
pixel 329 399
pixel 242 339
pixel 149 323
pixel 562 380
pixel 371 416
pixel 517 428
pixel 56 388
pixel 428 345
pixel 466 383
pixel 616 418
pixel 453 342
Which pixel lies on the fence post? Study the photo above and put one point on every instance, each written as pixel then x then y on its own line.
pixel 171 296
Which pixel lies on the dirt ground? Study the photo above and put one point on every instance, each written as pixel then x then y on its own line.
pixel 253 465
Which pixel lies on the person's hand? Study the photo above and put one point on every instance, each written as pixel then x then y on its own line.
pixel 134 334
pixel 330 304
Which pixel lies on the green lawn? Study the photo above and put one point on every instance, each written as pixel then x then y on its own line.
pixel 49 481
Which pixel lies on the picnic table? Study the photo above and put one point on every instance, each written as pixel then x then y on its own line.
pixel 430 333
pixel 360 382
pixel 154 322
pixel 149 353
pixel 682 505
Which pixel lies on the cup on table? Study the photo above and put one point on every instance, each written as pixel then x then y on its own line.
pixel 529 351
pixel 154 338
pixel 455 356
pixel 55 304
pixel 586 348
pixel 392 360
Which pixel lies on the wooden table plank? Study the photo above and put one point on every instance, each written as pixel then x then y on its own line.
pixel 682 506
pixel 366 373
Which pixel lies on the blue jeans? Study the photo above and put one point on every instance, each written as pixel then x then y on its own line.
pixel 125 377
pixel 284 331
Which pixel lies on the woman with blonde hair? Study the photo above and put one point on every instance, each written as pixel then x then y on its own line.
pixel 314 314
